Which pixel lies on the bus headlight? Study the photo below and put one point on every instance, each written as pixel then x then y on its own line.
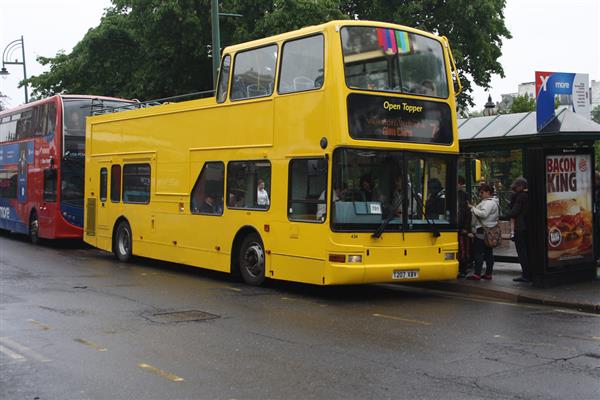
pixel 354 259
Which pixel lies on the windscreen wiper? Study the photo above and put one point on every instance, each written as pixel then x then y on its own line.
pixel 386 222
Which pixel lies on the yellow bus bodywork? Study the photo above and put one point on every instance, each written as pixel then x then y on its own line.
pixel 177 139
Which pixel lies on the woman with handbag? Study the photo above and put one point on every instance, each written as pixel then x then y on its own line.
pixel 484 221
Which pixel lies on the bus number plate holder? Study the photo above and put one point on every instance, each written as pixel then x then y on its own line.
pixel 405 274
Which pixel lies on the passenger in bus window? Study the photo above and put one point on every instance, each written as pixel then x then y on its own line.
pixel 208 206
pixel 435 205
pixel 367 190
pixel 74 121
pixel 262 196
pixel 339 193
pixel 397 196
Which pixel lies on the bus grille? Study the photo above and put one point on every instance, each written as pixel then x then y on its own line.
pixel 90 223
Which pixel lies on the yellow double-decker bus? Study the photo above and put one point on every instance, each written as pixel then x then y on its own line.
pixel 326 156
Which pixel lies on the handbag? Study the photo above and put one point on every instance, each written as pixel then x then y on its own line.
pixel 492 237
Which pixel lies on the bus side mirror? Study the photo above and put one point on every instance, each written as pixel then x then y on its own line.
pixel 477 170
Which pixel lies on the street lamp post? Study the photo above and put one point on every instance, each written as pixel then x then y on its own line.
pixel 6 60
pixel 216 37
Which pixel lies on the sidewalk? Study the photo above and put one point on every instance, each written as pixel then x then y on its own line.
pixel 580 296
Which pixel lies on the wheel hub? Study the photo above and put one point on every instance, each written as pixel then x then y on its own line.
pixel 254 260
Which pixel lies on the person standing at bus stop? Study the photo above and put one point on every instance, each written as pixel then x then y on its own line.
pixel 485 214
pixel 518 211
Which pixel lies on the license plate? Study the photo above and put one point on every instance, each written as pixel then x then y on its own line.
pixel 405 274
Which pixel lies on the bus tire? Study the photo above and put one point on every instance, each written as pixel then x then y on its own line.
pixel 123 242
pixel 34 228
pixel 251 260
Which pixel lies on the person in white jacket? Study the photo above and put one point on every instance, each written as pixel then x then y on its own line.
pixel 485 214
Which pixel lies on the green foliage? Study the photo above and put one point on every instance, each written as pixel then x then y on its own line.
pixel 157 48
pixel 524 103
pixel 596 114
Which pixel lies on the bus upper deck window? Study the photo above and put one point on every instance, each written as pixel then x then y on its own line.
pixel 223 79
pixel 302 65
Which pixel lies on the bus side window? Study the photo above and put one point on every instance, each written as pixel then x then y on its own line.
pixel 302 65
pixel 50 185
pixel 249 184
pixel 223 79
pixel 207 195
pixel 115 183
pixel 307 190
pixel 103 183
pixel 136 183
pixel 51 116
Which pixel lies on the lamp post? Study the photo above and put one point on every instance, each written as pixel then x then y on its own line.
pixel 216 37
pixel 6 60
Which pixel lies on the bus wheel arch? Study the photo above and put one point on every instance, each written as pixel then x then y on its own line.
pixel 248 260
pixel 122 240
pixel 34 226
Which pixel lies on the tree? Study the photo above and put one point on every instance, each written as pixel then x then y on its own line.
pixel 596 114
pixel 524 103
pixel 156 48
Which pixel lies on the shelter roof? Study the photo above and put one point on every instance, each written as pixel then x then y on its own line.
pixel 523 125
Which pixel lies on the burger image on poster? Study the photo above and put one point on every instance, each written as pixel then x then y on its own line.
pixel 569 200
pixel 569 228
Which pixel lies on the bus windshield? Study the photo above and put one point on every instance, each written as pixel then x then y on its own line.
pixel 391 60
pixel 72 182
pixel 408 190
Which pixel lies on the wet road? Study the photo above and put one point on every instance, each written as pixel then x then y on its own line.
pixel 76 324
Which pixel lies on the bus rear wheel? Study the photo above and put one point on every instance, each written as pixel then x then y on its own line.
pixel 34 228
pixel 251 260
pixel 122 242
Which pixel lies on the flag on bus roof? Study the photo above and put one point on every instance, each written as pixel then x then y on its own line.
pixel 396 42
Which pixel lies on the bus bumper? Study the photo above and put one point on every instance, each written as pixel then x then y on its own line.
pixel 343 274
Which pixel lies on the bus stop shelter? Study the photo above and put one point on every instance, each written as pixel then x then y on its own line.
pixel 558 162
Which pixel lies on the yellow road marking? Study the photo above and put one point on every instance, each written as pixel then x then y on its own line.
pixel 235 289
pixel 159 372
pixel 38 323
pixel 23 349
pixel 414 321
pixel 90 344
pixel 11 354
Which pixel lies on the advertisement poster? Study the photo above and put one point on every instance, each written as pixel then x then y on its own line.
pixel 548 85
pixel 569 209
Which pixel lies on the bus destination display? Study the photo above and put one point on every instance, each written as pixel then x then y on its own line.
pixel 398 119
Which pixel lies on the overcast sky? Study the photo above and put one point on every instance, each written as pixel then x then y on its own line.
pixel 548 35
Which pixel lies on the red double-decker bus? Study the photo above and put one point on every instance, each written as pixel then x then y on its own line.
pixel 42 156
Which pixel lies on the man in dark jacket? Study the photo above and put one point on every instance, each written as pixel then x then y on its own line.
pixel 518 213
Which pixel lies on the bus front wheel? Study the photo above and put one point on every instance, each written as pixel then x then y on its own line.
pixel 34 228
pixel 252 260
pixel 122 242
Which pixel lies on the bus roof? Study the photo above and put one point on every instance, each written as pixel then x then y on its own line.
pixel 320 28
pixel 63 96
